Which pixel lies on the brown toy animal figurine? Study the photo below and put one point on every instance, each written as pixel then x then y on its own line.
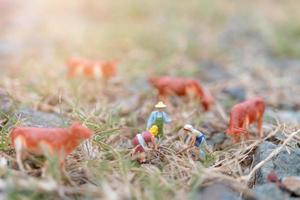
pixel 167 86
pixel 58 142
pixel 91 69
pixel 242 115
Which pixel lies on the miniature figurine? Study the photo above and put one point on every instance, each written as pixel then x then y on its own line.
pixel 168 86
pixel 141 141
pixel 198 140
pixel 58 142
pixel 158 118
pixel 91 69
pixel 242 115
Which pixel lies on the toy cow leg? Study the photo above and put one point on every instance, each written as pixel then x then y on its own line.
pixel 236 138
pixel 48 151
pixel 19 146
pixel 19 157
pixel 259 126
pixel 47 166
pixel 60 162
pixel 246 127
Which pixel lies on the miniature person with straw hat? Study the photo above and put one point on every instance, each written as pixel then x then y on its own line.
pixel 198 140
pixel 141 142
pixel 158 118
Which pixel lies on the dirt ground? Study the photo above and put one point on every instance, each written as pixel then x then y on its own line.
pixel 235 50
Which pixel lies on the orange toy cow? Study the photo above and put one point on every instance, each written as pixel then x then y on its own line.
pixel 167 86
pixel 58 142
pixel 91 69
pixel 242 115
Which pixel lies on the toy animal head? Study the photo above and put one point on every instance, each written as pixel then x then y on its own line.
pixel 207 100
pixel 80 132
pixel 152 80
pixel 109 69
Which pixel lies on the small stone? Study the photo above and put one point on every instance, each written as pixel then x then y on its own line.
pixel 29 117
pixel 217 191
pixel 211 71
pixel 130 104
pixel 217 139
pixel 292 184
pixel 139 84
pixel 237 93
pixel 283 164
pixel 284 116
pixel 269 191
pixel 289 117
pixel 280 136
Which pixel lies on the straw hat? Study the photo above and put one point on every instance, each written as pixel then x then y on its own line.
pixel 160 105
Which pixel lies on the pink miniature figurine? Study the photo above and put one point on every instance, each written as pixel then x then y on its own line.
pixel 168 86
pixel 141 141
pixel 58 142
pixel 242 115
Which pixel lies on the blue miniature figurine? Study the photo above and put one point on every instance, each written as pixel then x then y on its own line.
pixel 198 140
pixel 158 118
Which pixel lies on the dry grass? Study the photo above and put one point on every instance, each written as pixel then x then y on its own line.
pixel 150 37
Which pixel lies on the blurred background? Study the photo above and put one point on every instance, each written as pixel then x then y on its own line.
pixel 249 44
pixel 235 49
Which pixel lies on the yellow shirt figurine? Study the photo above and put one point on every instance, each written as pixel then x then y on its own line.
pixel 158 118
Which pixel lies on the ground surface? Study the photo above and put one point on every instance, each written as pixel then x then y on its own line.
pixel 236 51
